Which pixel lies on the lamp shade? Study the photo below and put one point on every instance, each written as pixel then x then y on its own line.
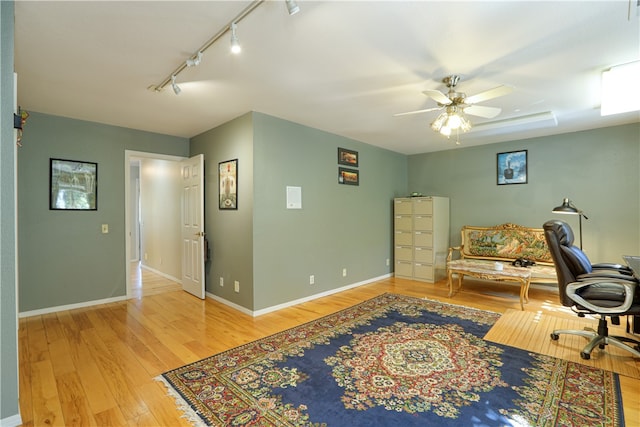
pixel 566 208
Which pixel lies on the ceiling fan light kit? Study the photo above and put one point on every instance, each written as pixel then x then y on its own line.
pixel 452 119
pixel 456 104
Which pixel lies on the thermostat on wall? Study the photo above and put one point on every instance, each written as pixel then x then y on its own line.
pixel 294 197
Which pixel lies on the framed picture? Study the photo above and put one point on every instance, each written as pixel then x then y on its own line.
pixel 512 167
pixel 73 185
pixel 228 184
pixel 348 176
pixel 347 157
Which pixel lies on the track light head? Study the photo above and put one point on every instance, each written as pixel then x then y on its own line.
pixel 194 62
pixel 235 44
pixel 292 7
pixel 174 85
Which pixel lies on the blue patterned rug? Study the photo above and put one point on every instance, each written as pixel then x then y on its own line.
pixel 393 361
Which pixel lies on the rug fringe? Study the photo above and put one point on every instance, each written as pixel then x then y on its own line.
pixel 187 411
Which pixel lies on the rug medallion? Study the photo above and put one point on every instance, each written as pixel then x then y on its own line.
pixel 393 360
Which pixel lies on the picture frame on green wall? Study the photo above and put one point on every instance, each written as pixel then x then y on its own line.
pixel 228 185
pixel 73 185
pixel 348 176
pixel 347 157
pixel 512 167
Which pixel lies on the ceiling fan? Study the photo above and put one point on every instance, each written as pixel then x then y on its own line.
pixel 456 104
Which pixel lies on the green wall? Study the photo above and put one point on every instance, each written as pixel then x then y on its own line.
pixel 597 169
pixel 63 256
pixel 339 226
pixel 229 232
pixel 272 251
pixel 9 408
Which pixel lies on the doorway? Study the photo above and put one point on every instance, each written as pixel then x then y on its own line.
pixel 152 223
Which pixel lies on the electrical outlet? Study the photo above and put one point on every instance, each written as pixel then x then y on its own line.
pixel 312 279
pixel 344 272
pixel 221 281
pixel 387 262
pixel 236 286
pixel 146 256
pixel 105 228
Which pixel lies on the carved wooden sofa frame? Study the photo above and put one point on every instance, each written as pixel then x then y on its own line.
pixel 482 247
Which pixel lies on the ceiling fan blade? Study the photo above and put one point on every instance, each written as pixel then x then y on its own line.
pixel 438 96
pixel 488 94
pixel 417 112
pixel 482 111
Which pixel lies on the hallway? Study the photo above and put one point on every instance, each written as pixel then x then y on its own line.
pixel 145 282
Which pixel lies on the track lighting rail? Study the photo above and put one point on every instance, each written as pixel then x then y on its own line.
pixel 171 77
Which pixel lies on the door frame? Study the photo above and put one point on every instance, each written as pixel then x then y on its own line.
pixel 130 155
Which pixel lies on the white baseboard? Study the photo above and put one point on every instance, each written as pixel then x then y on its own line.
pixel 229 303
pixel 70 306
pixel 160 273
pixel 12 421
pixel 297 301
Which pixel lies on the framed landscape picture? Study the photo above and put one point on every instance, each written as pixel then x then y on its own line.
pixel 73 185
pixel 512 167
pixel 228 184
pixel 347 157
pixel 348 176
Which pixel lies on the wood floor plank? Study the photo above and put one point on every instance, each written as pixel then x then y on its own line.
pixel 114 351
pixel 162 406
pixel 25 378
pixel 75 406
pixel 151 363
pixel 59 351
pixel 115 376
pixel 111 417
pixel 47 409
pixel 52 327
pixel 38 344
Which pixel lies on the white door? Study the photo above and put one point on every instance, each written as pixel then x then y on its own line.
pixel 193 225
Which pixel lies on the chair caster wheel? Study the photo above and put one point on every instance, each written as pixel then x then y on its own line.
pixel 601 346
pixel 555 336
pixel 585 356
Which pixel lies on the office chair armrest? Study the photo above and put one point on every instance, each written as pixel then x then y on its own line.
pixel 603 275
pixel 628 288
pixel 623 269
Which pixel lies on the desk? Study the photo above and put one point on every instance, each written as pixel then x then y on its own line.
pixel 486 270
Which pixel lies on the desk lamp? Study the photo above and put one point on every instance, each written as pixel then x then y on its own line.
pixel 567 207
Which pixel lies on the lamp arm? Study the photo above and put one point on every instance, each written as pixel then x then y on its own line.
pixel 581 213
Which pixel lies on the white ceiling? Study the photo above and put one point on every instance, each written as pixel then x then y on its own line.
pixel 343 67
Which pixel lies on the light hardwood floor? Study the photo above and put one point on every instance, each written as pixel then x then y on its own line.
pixel 95 366
pixel 144 282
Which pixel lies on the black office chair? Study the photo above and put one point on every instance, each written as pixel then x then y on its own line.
pixel 607 290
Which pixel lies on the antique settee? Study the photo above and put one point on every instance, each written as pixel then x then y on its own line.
pixel 489 253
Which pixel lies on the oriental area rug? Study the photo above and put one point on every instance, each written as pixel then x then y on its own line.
pixel 393 361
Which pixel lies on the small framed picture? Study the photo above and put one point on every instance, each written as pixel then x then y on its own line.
pixel 347 157
pixel 228 184
pixel 512 167
pixel 348 176
pixel 73 185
